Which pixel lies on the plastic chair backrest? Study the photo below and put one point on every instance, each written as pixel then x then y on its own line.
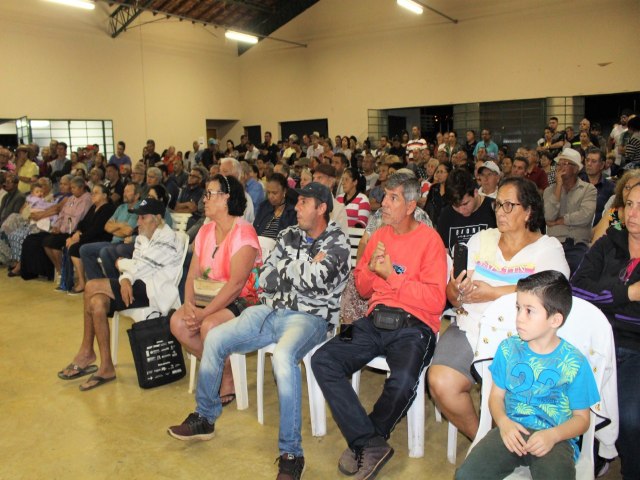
pixel 355 234
pixel 266 245
pixel 184 238
pixel 586 328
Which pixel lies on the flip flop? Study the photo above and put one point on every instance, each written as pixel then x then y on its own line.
pixel 99 381
pixel 81 372
pixel 230 398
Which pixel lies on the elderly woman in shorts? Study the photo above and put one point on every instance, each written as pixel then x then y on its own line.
pixel 497 259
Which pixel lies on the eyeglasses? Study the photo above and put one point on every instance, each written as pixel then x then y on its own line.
pixel 209 193
pixel 507 206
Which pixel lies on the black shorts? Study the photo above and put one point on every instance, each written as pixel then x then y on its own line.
pixel 139 296
pixel 57 241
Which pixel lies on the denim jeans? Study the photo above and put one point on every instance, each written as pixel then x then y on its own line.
pixel 628 363
pixel 408 351
pixel 108 253
pixel 490 459
pixel 89 254
pixel 295 334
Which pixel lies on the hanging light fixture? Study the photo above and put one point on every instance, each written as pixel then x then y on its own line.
pixel 76 3
pixel 411 6
pixel 241 37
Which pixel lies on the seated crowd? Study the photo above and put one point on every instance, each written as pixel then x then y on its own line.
pixel 566 206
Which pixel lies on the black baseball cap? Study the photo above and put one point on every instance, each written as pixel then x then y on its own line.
pixel 149 206
pixel 318 191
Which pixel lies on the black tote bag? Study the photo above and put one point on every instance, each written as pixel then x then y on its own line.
pixel 157 354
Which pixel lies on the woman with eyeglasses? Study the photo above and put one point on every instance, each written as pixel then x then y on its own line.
pixel 225 250
pixel 614 216
pixel 497 259
pixel 609 278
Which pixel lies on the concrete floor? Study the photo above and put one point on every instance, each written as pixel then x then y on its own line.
pixel 49 429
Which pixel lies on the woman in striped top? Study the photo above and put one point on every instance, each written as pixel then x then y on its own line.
pixel 277 212
pixel 355 201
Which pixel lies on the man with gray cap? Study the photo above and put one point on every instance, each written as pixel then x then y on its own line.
pixel 569 208
pixel 302 281
pixel 147 279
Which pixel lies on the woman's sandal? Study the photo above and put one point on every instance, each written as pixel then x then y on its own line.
pixel 227 399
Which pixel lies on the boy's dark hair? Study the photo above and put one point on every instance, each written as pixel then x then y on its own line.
pixel 460 182
pixel 553 290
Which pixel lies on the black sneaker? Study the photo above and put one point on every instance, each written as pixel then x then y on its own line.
pixel 290 467
pixel 372 458
pixel 194 427
pixel 348 463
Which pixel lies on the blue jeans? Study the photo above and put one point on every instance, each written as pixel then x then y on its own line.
pixel 628 363
pixel 89 254
pixel 295 334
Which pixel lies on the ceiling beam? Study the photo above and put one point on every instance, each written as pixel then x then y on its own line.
pixel 286 11
pixel 124 15
pixel 251 5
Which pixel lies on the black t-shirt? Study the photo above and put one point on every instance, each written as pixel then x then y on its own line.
pixel 400 152
pixel 118 188
pixel 454 228
pixel 150 159
pixel 272 152
pixel 469 148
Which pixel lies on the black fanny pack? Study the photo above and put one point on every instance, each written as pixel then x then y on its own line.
pixel 392 318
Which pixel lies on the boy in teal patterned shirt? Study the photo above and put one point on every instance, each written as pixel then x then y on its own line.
pixel 543 388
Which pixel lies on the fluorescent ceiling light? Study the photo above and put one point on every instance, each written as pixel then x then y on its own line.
pixel 241 37
pixel 76 3
pixel 411 5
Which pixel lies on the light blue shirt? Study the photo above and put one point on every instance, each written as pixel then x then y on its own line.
pixel 491 148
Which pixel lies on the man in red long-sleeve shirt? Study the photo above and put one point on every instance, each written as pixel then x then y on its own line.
pixel 403 273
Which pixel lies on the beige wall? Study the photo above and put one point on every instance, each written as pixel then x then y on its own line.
pixel 370 54
pixel 164 80
pixel 160 81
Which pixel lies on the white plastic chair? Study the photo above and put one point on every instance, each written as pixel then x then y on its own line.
pixel 355 234
pixel 180 221
pixel 415 415
pixel 587 329
pixel 316 398
pixel 452 430
pixel 140 314
pixel 452 438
